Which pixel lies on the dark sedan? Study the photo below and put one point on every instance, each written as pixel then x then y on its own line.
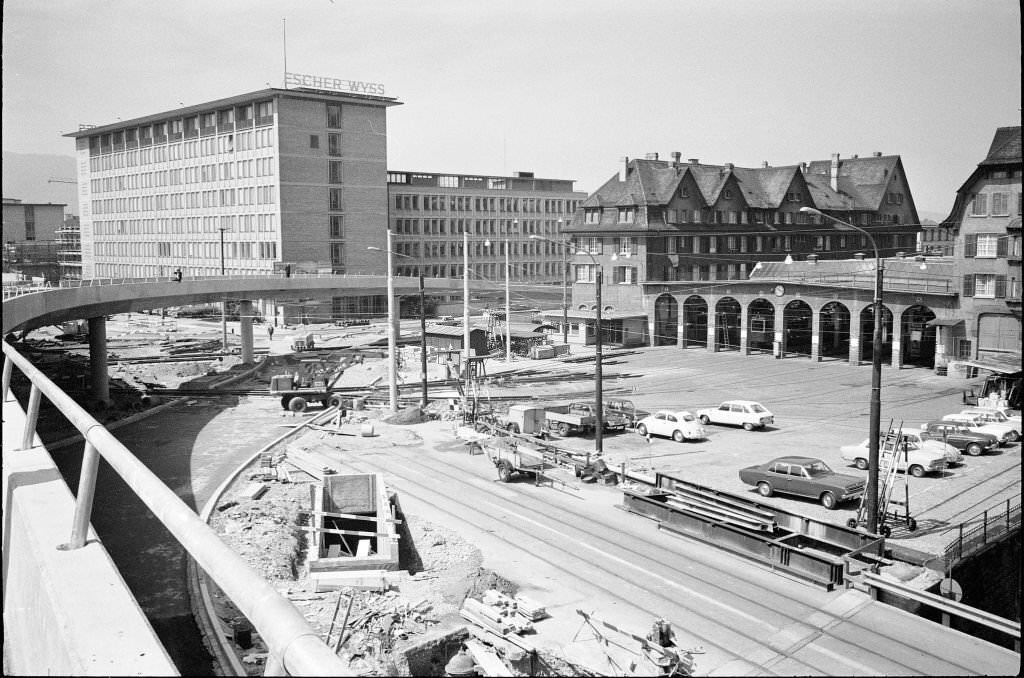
pixel 805 477
pixel 959 436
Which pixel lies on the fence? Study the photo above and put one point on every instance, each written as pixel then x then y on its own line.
pixel 295 648
pixel 995 523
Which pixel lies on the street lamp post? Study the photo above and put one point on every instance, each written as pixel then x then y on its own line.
pixel 598 365
pixel 874 431
pixel 565 289
pixel 423 344
pixel 508 296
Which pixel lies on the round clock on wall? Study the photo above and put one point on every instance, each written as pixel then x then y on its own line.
pixel 778 290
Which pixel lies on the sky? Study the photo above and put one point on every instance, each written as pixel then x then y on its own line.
pixel 563 88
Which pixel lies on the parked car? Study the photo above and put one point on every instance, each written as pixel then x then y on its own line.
pixel 626 408
pixel 952 454
pixel 679 426
pixel 1003 432
pixel 992 415
pixel 804 477
pixel 918 459
pixel 1012 416
pixel 959 436
pixel 745 413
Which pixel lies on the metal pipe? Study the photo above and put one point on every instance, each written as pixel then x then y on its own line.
pixel 84 499
pixel 281 625
pixel 31 418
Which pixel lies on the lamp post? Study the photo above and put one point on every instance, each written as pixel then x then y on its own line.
pixel 598 366
pixel 465 318
pixel 224 302
pixel 565 289
pixel 874 431
pixel 392 372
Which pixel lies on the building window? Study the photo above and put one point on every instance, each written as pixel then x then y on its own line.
pixel 592 216
pixel 335 199
pixel 626 246
pixel 337 226
pixel 314 141
pixel 334 172
pixel 624 275
pixel 1000 204
pixel 979 206
pixel 586 273
pixel 987 286
pixel 963 349
pixel 333 144
pixel 986 245
pixel 334 116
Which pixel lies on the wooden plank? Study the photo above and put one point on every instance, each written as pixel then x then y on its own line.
pixel 350 532
pixel 487 659
pixel 363 548
pixel 353 516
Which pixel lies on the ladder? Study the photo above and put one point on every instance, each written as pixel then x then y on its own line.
pixel 892 444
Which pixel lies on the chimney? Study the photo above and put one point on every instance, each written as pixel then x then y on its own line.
pixel 859 256
pixel 694 161
pixel 877 154
pixel 651 156
pixel 625 168
pixel 676 155
pixel 833 175
pixel 764 164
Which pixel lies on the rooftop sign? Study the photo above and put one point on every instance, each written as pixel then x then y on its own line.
pixel 336 84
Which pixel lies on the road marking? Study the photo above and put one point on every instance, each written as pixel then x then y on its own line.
pixel 689 591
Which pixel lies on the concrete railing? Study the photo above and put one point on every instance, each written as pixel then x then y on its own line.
pixel 295 648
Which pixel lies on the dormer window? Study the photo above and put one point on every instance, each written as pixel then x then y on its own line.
pixel 592 215
pixel 684 192
pixel 728 194
pixel 627 215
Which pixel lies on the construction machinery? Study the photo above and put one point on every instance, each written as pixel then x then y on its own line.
pixel 314 380
pixel 630 654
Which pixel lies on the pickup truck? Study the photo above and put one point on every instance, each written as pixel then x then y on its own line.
pixel 572 418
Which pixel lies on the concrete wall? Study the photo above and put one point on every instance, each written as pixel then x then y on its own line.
pixel 65 612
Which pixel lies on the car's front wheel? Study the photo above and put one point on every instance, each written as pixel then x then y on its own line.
pixel 678 436
pixel 828 500
pixel 764 489
pixel 641 429
pixel 1013 436
pixel 974 449
pixel 705 419
pixel 860 463
pixel 917 471
pixel 747 426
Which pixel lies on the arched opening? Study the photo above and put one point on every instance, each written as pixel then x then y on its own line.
pixel 760 325
pixel 834 333
pixel 867 328
pixel 666 320
pixel 695 321
pixel 796 328
pixel 917 338
pixel 727 324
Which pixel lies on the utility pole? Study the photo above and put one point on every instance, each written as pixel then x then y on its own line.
pixel 423 344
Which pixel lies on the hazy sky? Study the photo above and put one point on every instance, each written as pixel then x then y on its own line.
pixel 561 88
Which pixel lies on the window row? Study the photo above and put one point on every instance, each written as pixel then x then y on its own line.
pixel 224 197
pixel 198 250
pixel 468 203
pixel 498 227
pixel 673 215
pixel 225 171
pixel 236 223
pixel 490 272
pixel 186 150
pixel 477 249
pixel 986 285
pixel 993 204
pixel 990 245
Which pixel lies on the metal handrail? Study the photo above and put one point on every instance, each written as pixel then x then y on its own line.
pixel 991 526
pixel 292 642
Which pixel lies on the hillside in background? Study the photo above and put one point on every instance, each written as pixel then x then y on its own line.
pixel 26 177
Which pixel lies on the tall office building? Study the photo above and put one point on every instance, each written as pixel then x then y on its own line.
pixel 246 184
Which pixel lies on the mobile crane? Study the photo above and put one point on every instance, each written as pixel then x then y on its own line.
pixel 313 381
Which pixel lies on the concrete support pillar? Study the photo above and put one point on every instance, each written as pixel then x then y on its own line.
pixel 99 379
pixel 245 313
pixel 941 337
pixel 651 322
pixel 744 329
pixel 680 332
pixel 712 329
pixel 816 336
pixel 855 346
pixel 897 354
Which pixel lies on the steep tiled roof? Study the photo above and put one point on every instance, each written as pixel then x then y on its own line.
pixel 863 179
pixel 1005 147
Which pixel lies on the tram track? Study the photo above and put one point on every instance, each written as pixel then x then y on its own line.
pixel 670 574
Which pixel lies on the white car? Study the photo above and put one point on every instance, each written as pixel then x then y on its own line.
pixel 745 413
pixel 1004 432
pixel 919 459
pixel 995 415
pixel 679 426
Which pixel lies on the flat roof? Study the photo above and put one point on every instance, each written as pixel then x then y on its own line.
pixel 303 93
